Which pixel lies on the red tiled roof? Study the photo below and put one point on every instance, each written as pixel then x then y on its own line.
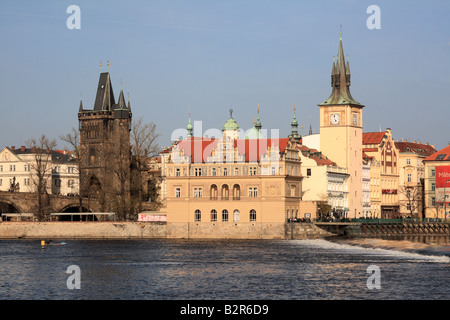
pixel 199 149
pixel 372 137
pixel 441 155
pixel 370 149
pixel 423 149
pixel 317 156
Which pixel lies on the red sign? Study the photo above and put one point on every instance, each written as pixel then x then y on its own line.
pixel 442 175
pixel 389 191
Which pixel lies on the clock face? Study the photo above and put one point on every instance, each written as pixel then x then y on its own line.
pixel 355 119
pixel 335 118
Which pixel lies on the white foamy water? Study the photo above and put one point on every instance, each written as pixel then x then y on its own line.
pixel 395 254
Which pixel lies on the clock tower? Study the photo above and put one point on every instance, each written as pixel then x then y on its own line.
pixel 341 130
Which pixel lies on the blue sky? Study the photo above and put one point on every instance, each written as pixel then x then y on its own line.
pixel 209 56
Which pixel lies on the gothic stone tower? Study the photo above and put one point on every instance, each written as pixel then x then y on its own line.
pixel 105 152
pixel 341 130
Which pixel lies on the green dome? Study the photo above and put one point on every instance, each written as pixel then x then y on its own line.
pixel 231 124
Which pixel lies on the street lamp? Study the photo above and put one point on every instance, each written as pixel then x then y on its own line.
pixel 445 201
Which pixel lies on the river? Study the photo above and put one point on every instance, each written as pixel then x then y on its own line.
pixel 321 269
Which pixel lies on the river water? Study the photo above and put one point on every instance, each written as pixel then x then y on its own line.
pixel 321 269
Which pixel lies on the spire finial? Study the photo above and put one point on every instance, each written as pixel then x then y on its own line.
pixel 100 65
pixel 340 33
pixel 107 64
pixel 231 113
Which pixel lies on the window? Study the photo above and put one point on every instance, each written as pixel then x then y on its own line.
pixel 177 172
pixel 198 172
pixel 213 215
pixel 71 183
pixel 1 168
pixel 69 170
pixel 292 191
pixel 225 192
pixel 1 182
pixel 236 171
pixel 408 161
pixel 433 172
pixel 224 215
pixel 409 177
pixel 433 186
pixel 253 192
pixel 236 192
pixel 213 192
pixel 225 171
pixel 26 167
pixel 236 216
pixel 198 215
pixel 253 171
pixel 12 167
pixel 177 192
pixel 198 192
pixel 308 171
pixel 252 215
pixel 57 182
pixel 433 201
pixel 273 171
pixel 213 171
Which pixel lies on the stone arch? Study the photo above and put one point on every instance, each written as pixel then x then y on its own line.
pixel 74 208
pixel 8 207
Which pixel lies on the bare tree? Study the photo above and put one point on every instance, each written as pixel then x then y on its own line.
pixel 73 139
pixel 143 145
pixel 412 196
pixel 41 167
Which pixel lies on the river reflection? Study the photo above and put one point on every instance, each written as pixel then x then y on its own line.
pixel 226 269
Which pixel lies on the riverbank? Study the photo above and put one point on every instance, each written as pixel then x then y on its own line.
pixel 158 230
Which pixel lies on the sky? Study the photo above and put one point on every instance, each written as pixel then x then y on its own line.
pixel 207 56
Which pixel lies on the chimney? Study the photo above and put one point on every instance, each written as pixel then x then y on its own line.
pixel 13 148
pixel 22 148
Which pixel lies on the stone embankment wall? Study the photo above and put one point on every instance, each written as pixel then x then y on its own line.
pixel 157 230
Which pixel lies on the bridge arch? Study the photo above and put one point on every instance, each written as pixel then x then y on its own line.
pixel 69 213
pixel 8 207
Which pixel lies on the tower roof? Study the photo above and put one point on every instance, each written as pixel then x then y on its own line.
pixel 340 81
pixel 105 95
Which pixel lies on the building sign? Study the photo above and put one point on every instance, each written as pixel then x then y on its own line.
pixel 152 217
pixel 442 176
pixel 389 191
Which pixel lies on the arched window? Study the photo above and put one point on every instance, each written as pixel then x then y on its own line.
pixel 224 215
pixel 252 215
pixel 225 192
pixel 198 215
pixel 213 215
pixel 213 192
pixel 236 215
pixel 236 192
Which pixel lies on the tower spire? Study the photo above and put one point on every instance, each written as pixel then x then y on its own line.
pixel 81 103
pixel 340 80
pixel 294 125
pixel 189 126
pixel 258 124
